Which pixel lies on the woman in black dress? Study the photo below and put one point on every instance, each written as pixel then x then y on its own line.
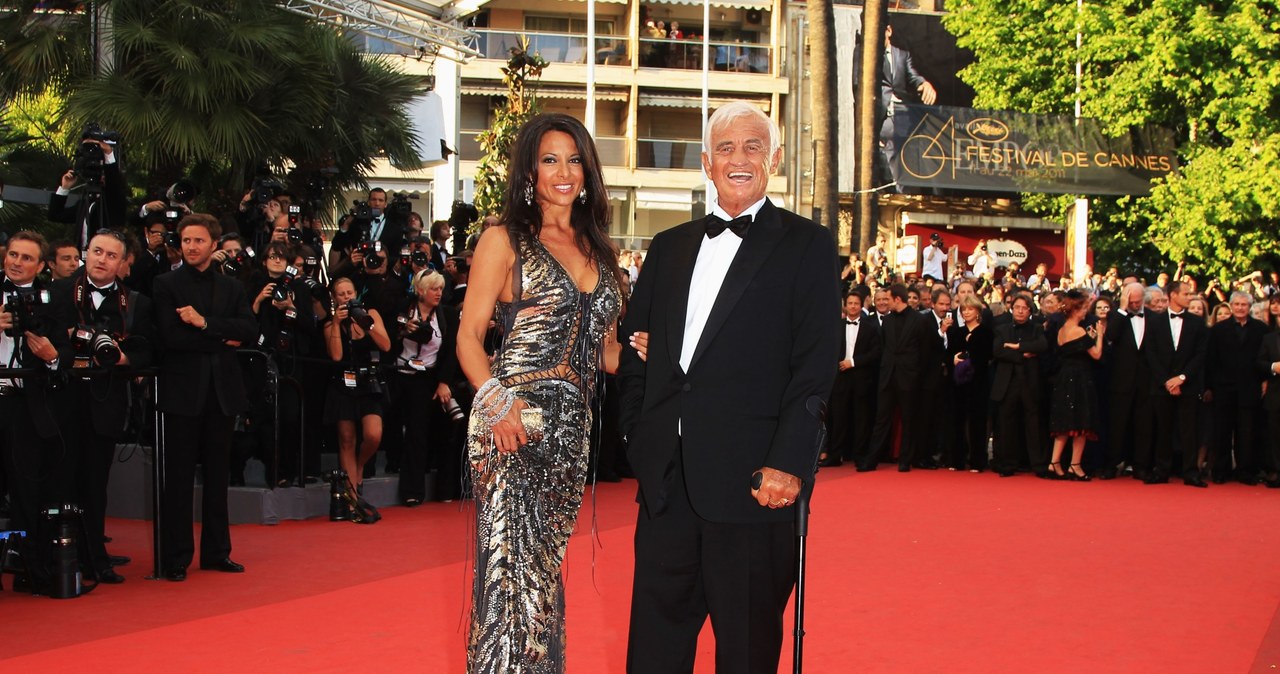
pixel 971 345
pixel 1074 412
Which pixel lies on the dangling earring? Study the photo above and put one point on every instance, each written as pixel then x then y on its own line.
pixel 582 196
pixel 528 194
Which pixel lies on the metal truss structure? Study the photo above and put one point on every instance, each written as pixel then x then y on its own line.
pixel 405 23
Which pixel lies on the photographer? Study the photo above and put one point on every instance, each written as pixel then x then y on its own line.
pixel 233 258
pixel 282 301
pixel 368 222
pixel 259 208
pixel 202 317
pixel 65 260
pixel 104 199
pixel 34 337
pixel 115 331
pixel 982 261
pixel 420 389
pixel 935 256
pixel 355 338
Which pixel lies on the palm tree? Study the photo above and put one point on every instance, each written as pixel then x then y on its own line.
pixel 865 205
pixel 822 72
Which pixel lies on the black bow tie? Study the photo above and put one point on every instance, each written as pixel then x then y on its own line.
pixel 10 286
pixel 1173 315
pixel 1137 315
pixel 849 322
pixel 716 225
pixel 102 291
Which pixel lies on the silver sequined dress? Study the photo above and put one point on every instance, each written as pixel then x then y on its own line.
pixel 527 502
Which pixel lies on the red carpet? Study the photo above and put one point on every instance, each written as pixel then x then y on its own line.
pixel 926 572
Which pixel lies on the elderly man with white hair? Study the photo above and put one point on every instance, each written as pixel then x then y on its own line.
pixel 741 311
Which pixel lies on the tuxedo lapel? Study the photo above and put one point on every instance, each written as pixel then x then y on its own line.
pixel 762 237
pixel 684 255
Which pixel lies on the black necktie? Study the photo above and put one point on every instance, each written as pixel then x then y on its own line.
pixel 1173 315
pixel 739 225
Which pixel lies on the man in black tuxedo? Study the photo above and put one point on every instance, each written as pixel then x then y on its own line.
pixel 30 445
pixel 907 341
pixel 852 402
pixel 937 390
pixel 1176 343
pixel 740 308
pixel 1015 388
pixel 108 194
pixel 1129 381
pixel 1234 389
pixel 202 317
pixel 1268 366
pixel 100 404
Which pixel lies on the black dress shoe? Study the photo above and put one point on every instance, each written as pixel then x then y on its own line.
pixel 224 565
pixel 110 577
pixel 1108 474
pixel 1005 473
pixel 1194 481
pixel 830 462
pixel 176 575
pixel 866 469
pixel 118 560
pixel 925 465
pixel 1156 478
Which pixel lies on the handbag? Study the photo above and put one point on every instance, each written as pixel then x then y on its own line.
pixel 964 372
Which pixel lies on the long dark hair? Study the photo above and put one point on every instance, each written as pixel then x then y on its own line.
pixel 590 221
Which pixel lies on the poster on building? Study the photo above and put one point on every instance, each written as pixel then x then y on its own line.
pixel 907 258
pixel 963 148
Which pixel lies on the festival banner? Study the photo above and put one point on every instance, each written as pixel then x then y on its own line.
pixel 963 148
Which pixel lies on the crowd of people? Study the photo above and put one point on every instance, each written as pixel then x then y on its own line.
pixel 1099 376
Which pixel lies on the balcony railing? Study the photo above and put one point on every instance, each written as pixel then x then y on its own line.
pixel 664 153
pixel 687 54
pixel 612 149
pixel 554 47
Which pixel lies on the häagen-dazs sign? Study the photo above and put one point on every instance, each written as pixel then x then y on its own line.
pixel 1006 251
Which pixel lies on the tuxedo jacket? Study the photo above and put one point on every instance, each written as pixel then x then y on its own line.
pixel 108 397
pixel 1126 363
pixel 909 339
pixel 1269 353
pixel 42 387
pixel 192 360
pixel 937 365
pixel 764 353
pixel 114 205
pixel 1010 361
pixel 1231 363
pixel 1165 361
pixel 866 350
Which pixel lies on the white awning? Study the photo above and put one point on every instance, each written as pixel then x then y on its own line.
pixel 678 101
pixel 545 91
pixel 762 5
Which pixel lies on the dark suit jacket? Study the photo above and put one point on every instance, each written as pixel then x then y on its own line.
pixel 1166 362
pixel 1231 362
pixel 114 205
pixel 193 359
pixel 1126 364
pixel 41 387
pixel 908 343
pixel 866 354
pixel 1269 353
pixel 937 366
pixel 108 405
pixel 764 353
pixel 1010 360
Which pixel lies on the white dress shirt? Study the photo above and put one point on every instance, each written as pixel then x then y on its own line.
pixel 851 337
pixel 1139 326
pixel 1175 326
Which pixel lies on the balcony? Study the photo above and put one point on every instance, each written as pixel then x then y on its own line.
pixel 612 149
pixel 665 153
pixel 554 47
pixel 687 55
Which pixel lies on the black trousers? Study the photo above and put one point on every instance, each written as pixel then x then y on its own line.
pixel 688 568
pixel 94 455
pixel 1019 411
pixel 969 432
pixel 36 469
pixel 203 439
pixel 1131 423
pixel 1234 418
pixel 891 398
pixel 1173 411
pixel 852 404
pixel 431 441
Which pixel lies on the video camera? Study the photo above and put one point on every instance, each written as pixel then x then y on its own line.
pixel 23 305
pixel 399 208
pixel 235 264
pixel 98 342
pixel 89 159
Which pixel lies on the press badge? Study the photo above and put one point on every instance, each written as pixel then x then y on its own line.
pixel 349 379
pixel 417 364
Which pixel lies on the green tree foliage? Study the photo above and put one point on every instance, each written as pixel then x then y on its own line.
pixel 520 105
pixel 1208 71
pixel 217 88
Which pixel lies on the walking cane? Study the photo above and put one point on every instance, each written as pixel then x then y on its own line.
pixel 818 409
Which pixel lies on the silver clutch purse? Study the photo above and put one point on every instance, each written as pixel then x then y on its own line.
pixel 531 417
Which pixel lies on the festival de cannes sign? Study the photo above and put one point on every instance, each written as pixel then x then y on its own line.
pixel 963 148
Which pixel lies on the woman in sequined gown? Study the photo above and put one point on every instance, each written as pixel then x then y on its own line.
pixel 1073 413
pixel 552 271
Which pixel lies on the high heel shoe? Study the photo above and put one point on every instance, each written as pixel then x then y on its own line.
pixel 1055 472
pixel 1078 476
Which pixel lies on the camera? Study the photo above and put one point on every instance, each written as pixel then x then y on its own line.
pixel 181 192
pixel 89 159
pixel 372 252
pixel 97 342
pixel 419 258
pixel 284 284
pixel 235 264
pixel 422 335
pixel 936 239
pixel 363 213
pixel 23 307
pixel 172 240
pixel 284 341
pixel 359 315
pixel 399 207
pixel 453 409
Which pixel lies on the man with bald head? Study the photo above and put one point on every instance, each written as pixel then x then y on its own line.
pixel 1131 417
pixel 720 430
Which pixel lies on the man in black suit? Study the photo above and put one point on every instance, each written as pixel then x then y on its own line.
pixel 1015 387
pixel 852 402
pixel 107 195
pixel 720 423
pixel 1176 343
pixel 1268 366
pixel 100 403
pixel 1129 381
pixel 202 317
pixel 907 341
pixel 1234 389
pixel 899 82
pixel 29 406
pixel 937 391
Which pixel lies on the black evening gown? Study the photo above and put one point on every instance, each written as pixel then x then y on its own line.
pixel 1074 408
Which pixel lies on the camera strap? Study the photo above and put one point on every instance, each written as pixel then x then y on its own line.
pixel 123 299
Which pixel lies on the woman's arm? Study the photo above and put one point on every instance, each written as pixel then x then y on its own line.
pixel 379 332
pixel 489 282
pixel 333 337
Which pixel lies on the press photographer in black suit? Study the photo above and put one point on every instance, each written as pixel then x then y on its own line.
pixel 99 405
pixel 1176 343
pixel 30 441
pixel 202 317
pixel 110 201
pixel 725 395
